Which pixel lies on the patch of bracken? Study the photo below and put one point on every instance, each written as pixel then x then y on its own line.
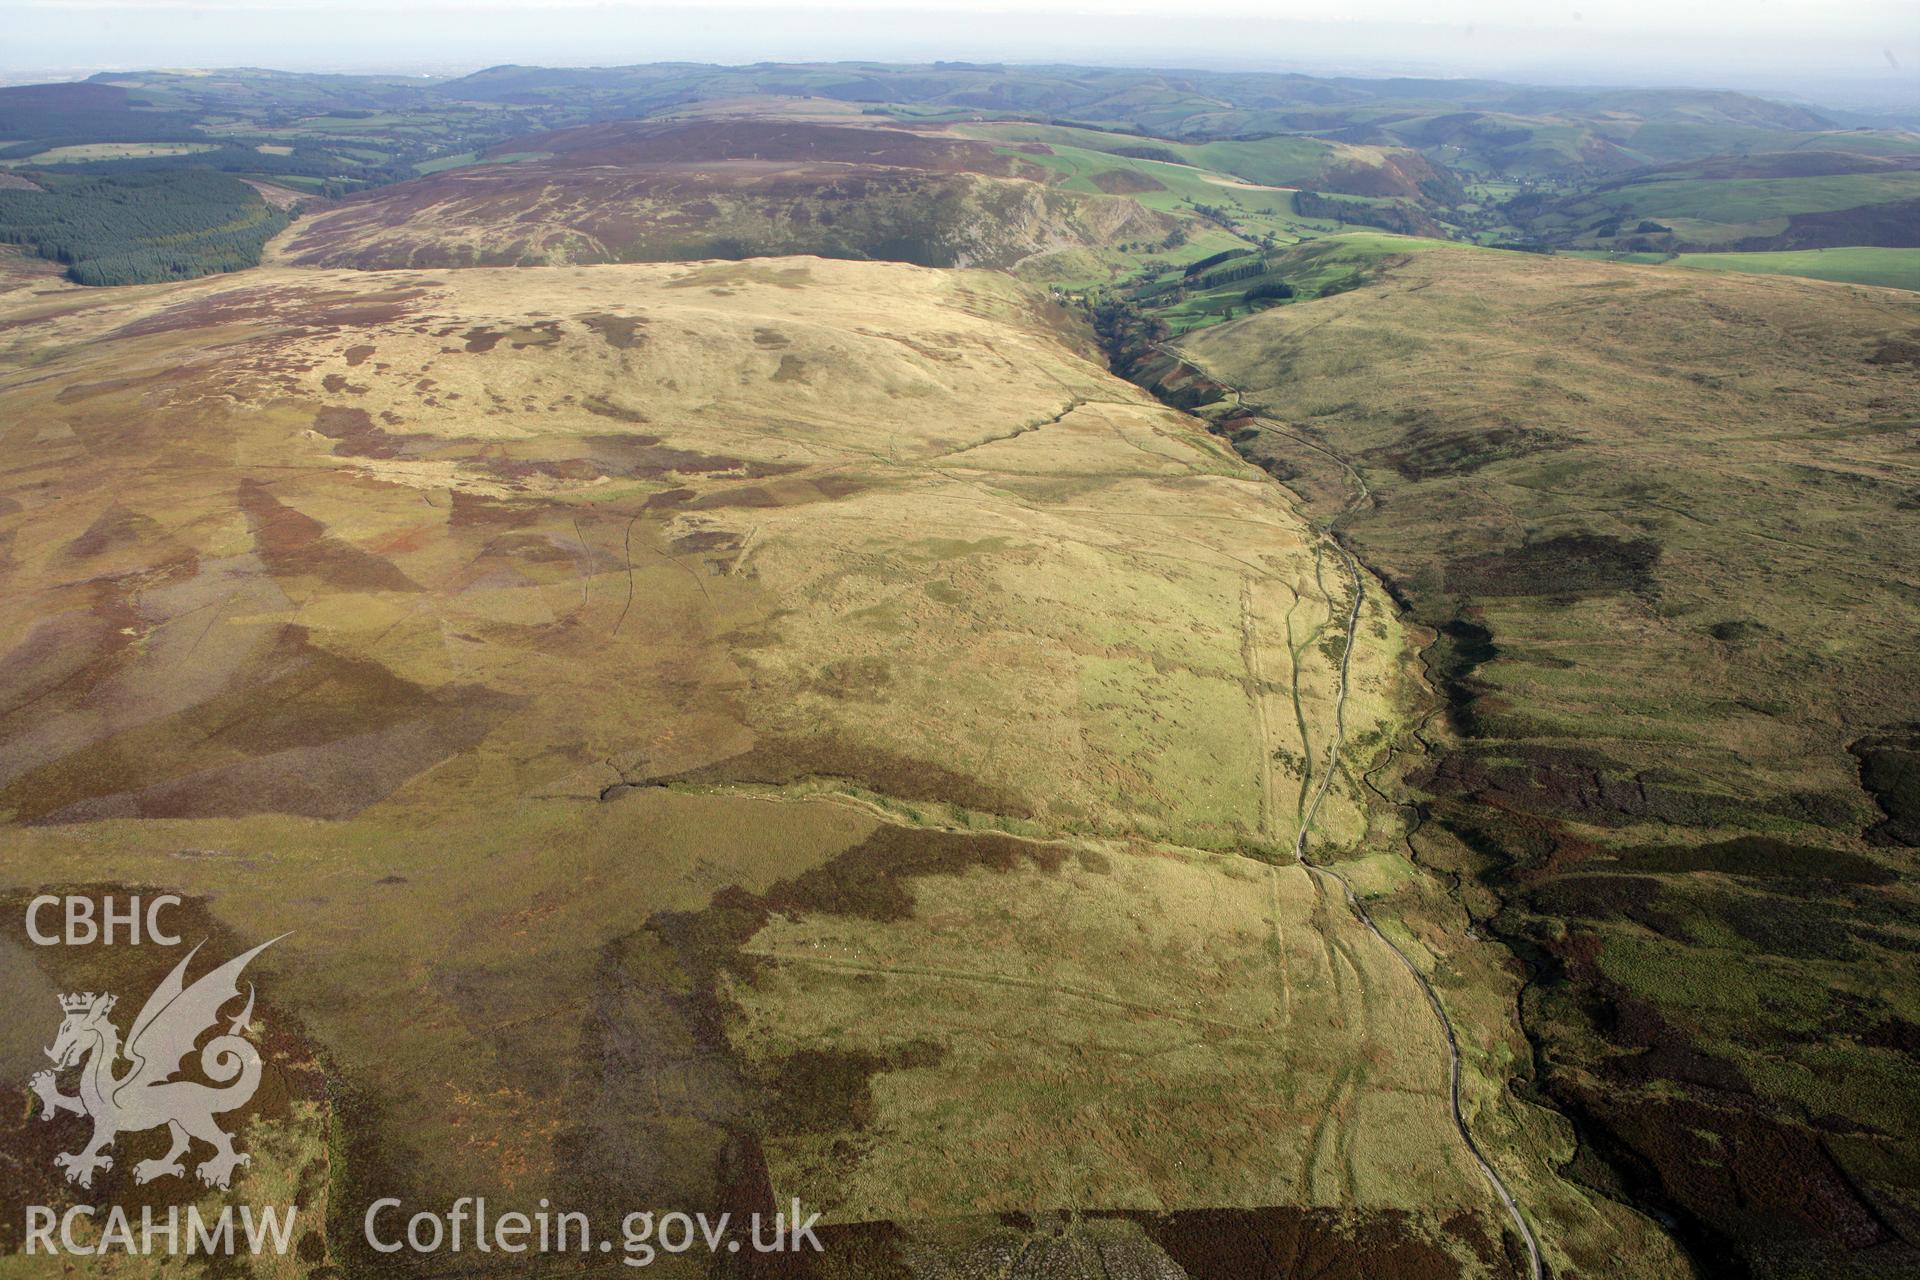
pixel 1428 450
pixel 1890 773
pixel 1565 565
pixel 1758 857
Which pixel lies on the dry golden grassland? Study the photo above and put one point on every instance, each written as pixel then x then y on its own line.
pixel 700 718
pixel 1271 1056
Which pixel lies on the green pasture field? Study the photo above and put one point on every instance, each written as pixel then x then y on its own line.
pixel 1280 162
pixel 81 153
pixel 465 158
pixel 1852 264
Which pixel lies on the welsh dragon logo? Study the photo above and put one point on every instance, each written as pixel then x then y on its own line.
pixel 146 1096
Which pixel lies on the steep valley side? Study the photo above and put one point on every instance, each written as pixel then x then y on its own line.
pixel 1654 531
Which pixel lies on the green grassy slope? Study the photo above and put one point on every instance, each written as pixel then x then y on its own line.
pixel 1743 201
pixel 1281 162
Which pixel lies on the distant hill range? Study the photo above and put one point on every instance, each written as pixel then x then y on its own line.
pixel 963 163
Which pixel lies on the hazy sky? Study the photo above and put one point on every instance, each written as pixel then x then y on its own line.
pixel 1874 44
